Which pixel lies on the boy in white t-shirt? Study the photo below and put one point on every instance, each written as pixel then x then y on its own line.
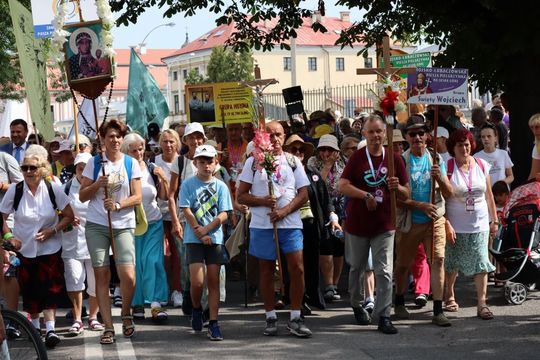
pixel 501 164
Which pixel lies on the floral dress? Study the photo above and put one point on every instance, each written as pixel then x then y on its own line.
pixel 338 200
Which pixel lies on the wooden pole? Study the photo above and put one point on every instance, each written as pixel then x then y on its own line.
pixel 435 161
pixel 76 125
pixel 276 242
pixel 100 149
pixel 390 141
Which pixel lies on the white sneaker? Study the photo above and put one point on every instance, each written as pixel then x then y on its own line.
pixel 177 299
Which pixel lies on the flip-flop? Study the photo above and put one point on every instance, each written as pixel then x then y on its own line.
pixel 484 313
pixel 451 306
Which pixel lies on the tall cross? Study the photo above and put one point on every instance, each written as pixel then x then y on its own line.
pixel 387 71
pixel 258 86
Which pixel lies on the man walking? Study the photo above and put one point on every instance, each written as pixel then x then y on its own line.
pixel 366 184
pixel 18 132
pixel 290 195
pixel 427 221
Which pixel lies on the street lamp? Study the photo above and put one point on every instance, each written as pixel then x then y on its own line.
pixel 142 44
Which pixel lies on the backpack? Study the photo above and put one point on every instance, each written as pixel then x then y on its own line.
pixel 19 188
pixel 128 160
pixel 67 186
pixel 452 164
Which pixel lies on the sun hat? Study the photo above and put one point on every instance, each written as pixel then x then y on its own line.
pixel 321 130
pixel 328 141
pixel 65 145
pixel 308 147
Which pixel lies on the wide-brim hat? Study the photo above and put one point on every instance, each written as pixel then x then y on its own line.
pixel 329 141
pixel 322 130
pixel 308 147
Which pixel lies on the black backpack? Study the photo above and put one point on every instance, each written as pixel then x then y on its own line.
pixel 19 188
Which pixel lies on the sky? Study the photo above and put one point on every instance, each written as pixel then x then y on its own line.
pixel 173 37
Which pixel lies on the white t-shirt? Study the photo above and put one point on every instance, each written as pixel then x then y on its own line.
pixel 119 189
pixel 149 193
pixel 285 190
pixel 445 156
pixel 166 166
pixel 535 153
pixel 74 241
pixel 33 214
pixel 499 161
pixel 469 221
pixel 188 171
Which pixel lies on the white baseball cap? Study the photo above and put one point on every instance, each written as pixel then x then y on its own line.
pixel 82 158
pixel 442 132
pixel 205 151
pixel 65 145
pixel 193 128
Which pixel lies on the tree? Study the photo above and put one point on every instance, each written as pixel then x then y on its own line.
pixel 226 65
pixel 194 77
pixel 10 71
pixel 495 40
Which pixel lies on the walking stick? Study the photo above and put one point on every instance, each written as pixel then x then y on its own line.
pixel 100 149
pixel 435 161
pixel 276 242
pixel 246 229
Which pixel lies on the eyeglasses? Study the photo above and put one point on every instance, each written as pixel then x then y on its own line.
pixel 81 147
pixel 413 134
pixel 296 149
pixel 26 168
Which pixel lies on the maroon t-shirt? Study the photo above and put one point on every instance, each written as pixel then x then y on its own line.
pixel 360 221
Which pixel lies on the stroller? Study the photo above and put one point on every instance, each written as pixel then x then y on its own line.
pixel 517 245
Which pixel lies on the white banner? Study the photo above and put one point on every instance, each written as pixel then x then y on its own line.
pixel 86 120
pixel 44 11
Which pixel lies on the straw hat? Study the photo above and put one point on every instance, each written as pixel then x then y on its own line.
pixel 308 148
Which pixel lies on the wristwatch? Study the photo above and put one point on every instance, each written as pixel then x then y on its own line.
pixel 117 206
pixel 368 196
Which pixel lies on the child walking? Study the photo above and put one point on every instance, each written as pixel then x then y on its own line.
pixel 205 202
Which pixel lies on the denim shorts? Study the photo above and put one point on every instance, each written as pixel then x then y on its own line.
pixel 262 246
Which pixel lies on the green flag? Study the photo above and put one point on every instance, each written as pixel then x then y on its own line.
pixel 33 67
pixel 146 103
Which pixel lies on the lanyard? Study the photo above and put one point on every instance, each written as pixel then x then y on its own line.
pixel 375 175
pixel 469 182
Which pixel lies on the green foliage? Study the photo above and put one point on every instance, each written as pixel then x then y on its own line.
pixel 10 71
pixel 226 65
pixel 194 77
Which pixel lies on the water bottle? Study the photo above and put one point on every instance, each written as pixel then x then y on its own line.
pixel 338 233
pixel 14 261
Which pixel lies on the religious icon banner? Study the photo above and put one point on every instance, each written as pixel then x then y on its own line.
pixel 438 86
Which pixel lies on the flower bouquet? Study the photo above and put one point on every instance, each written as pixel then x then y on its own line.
pixel 386 99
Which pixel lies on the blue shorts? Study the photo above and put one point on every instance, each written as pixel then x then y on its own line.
pixel 262 246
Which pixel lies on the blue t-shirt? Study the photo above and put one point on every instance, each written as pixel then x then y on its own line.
pixel 420 181
pixel 206 200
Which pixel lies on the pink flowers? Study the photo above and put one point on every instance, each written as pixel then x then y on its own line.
pixel 263 154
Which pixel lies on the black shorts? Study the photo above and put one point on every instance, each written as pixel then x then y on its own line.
pixel 206 254
pixel 332 246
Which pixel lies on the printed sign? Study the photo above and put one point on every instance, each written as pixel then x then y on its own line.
pixel 219 103
pixel 44 11
pixel 422 59
pixel 438 86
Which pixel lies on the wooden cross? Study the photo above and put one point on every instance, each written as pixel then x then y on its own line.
pixel 388 72
pixel 258 86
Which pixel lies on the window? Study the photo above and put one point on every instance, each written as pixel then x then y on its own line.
pixel 312 64
pixel 287 65
pixel 175 75
pixel 176 104
pixel 196 71
pixel 340 64
pixel 368 63
pixel 184 73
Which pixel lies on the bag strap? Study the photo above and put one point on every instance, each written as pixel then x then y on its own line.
pixel 19 188
pixel 452 163
pixel 67 186
pixel 128 161
pixel 181 161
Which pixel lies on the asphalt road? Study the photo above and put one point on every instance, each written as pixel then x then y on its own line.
pixel 512 334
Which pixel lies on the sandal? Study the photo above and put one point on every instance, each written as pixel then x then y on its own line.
pixel 95 325
pixel 158 314
pixel 75 329
pixel 484 313
pixel 128 330
pixel 117 301
pixel 107 338
pixel 451 306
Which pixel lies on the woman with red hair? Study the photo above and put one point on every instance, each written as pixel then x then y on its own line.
pixel 471 219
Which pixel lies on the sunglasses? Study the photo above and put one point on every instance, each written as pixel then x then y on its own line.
pixel 26 168
pixel 296 149
pixel 81 147
pixel 413 133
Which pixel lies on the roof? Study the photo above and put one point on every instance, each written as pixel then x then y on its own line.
pixel 152 56
pixel 305 35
